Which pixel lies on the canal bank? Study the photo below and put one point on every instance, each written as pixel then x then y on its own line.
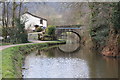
pixel 12 57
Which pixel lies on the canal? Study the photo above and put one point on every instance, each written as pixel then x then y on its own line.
pixel 69 61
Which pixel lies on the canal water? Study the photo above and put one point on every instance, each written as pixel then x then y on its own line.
pixel 69 61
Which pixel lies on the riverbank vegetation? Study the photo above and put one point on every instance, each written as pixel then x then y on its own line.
pixel 12 58
pixel 105 28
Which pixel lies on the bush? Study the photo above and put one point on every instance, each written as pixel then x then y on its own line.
pixel 50 30
pixel 39 29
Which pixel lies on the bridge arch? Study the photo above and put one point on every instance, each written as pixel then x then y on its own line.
pixel 76 34
pixel 72 32
pixel 76 29
pixel 77 49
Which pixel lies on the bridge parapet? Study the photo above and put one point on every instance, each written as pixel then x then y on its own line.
pixel 69 26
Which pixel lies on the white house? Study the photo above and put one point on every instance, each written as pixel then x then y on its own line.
pixel 31 21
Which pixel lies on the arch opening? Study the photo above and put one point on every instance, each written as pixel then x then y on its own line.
pixel 71 32
pixel 73 40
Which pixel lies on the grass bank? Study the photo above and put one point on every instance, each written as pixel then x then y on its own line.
pixel 12 58
pixel 2 44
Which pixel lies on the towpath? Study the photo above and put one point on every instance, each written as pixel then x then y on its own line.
pixel 33 41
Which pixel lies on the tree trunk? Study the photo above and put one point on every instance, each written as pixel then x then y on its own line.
pixel 3 15
pixel 20 6
pixel 13 14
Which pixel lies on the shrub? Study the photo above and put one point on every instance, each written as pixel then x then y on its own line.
pixel 39 29
pixel 50 30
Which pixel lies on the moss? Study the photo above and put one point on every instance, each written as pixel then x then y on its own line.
pixel 12 58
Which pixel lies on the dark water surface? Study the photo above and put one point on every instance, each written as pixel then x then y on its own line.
pixel 69 61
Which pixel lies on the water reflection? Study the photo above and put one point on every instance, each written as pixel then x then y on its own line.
pixel 54 63
pixel 72 43
pixel 68 49
pixel 44 67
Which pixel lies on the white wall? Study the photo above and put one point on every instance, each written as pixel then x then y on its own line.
pixel 30 21
pixel 44 23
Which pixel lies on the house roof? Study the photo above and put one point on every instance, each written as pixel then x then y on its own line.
pixel 35 15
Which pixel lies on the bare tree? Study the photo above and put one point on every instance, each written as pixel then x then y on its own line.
pixel 10 12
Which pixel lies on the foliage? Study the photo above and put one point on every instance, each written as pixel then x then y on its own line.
pixel 0 30
pixel 12 28
pixel 105 19
pixel 99 29
pixel 100 36
pixel 39 29
pixel 50 33
pixel 50 30
pixel 116 16
pixel 17 34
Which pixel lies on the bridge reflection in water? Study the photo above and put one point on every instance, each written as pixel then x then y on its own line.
pixel 58 62
pixel 72 42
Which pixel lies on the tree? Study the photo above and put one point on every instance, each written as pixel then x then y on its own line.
pixel 12 25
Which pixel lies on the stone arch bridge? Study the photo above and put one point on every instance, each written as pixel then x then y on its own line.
pixel 69 28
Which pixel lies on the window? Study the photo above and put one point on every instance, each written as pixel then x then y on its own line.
pixel 41 21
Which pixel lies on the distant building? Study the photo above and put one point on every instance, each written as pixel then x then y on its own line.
pixel 33 21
